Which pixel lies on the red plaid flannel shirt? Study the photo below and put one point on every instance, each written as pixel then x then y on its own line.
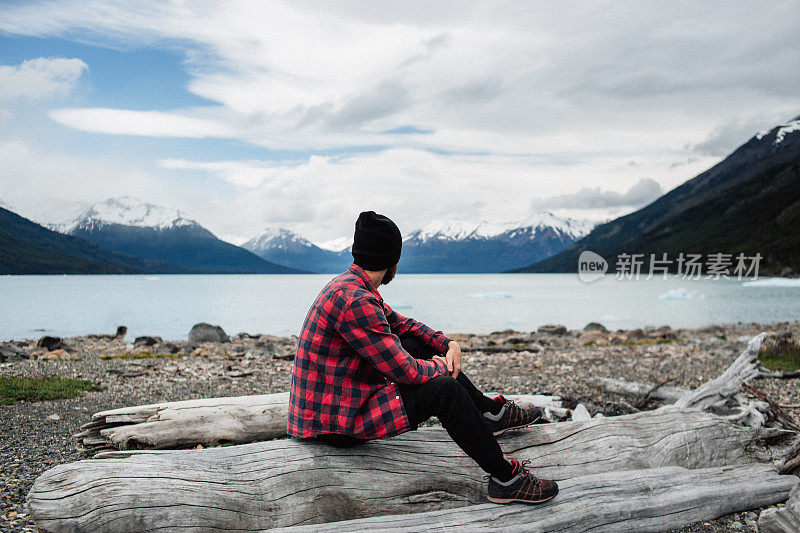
pixel 349 359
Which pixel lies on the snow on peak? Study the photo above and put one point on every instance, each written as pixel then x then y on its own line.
pixel 456 230
pixel 275 237
pixel 453 230
pixel 128 211
pixel 782 131
pixel 573 227
pixel 340 244
pixel 786 128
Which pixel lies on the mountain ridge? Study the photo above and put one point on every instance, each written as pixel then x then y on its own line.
pixel 30 248
pixel 705 213
pixel 132 227
pixel 439 246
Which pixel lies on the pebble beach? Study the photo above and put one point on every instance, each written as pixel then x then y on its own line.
pixel 35 436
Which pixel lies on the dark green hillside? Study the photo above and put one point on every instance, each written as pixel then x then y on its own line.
pixel 762 216
pixel 28 248
pixel 749 202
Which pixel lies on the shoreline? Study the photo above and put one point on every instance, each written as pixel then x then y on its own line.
pixel 42 332
pixel 37 436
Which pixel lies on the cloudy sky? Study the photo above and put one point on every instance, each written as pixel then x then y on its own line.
pixel 252 114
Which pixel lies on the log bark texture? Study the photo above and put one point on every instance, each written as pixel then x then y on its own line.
pixel 743 369
pixel 666 394
pixel 782 520
pixel 214 422
pixel 657 499
pixel 185 424
pixel 286 482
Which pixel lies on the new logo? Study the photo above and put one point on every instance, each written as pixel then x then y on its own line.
pixel 591 266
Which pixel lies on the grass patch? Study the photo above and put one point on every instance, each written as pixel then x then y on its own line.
pixel 590 343
pixel 783 356
pixel 15 389
pixel 144 355
pixel 649 341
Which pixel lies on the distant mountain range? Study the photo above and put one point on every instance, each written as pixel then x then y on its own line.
pixel 128 226
pixel 748 203
pixel 440 246
pixel 444 246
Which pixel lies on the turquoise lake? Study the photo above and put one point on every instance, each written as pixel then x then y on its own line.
pixel 168 305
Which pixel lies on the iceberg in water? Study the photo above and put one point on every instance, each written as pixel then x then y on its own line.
pixel 773 282
pixel 490 295
pixel 681 294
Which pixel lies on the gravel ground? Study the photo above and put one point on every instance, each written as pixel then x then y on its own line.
pixel 36 436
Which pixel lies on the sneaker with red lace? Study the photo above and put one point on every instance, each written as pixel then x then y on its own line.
pixel 524 487
pixel 511 416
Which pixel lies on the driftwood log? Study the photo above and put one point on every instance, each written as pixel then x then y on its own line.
pixel 722 395
pixel 215 422
pixel 657 499
pixel 721 389
pixel 286 482
pixel 185 424
pixel 782 520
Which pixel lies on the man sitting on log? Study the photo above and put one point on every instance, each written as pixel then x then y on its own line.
pixel 354 380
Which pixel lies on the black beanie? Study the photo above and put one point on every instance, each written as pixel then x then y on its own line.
pixel 377 242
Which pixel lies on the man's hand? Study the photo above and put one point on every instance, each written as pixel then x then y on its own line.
pixel 453 358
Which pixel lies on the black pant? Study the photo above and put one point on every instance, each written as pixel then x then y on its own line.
pixel 458 405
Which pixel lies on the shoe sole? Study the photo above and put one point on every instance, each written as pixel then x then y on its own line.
pixel 498 433
pixel 511 500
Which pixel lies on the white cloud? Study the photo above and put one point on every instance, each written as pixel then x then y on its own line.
pixel 40 78
pixel 324 75
pixel 533 100
pixel 142 123
pixel 321 197
pixel 243 173
pixel 49 186
pixel 640 193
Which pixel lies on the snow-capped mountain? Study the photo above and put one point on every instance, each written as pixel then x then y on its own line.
pixel 459 230
pixel 129 226
pixel 745 204
pixel 440 246
pixel 125 211
pixel 460 246
pixel 285 247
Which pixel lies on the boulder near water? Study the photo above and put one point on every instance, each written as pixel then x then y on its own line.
pixel 595 326
pixel 203 332
pixel 50 343
pixel 552 329
pixel 594 335
pixel 9 352
pixel 146 341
